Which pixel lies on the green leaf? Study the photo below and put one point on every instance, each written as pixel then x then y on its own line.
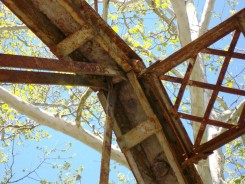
pixel 229 84
pixel 5 106
pixel 68 87
pixel 164 5
pixel 184 108
pixel 115 28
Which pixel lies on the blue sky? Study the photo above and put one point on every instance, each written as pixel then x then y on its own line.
pixel 83 155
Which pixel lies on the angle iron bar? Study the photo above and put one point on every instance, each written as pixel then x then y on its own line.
pixel 242 116
pixel 215 92
pixel 168 150
pixel 241 23
pixel 81 68
pixel 14 76
pixel 206 149
pixel 138 134
pixel 209 121
pixel 160 67
pixel 106 151
pixel 133 165
pixel 184 83
pixel 172 116
pixel 221 139
pixel 72 42
pixel 120 57
pixel 96 5
pixel 204 85
pixel 223 53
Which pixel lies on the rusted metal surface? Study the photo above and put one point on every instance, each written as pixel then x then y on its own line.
pixel 106 32
pixel 81 68
pixel 172 127
pixel 142 156
pixel 160 156
pixel 223 53
pixel 106 152
pixel 161 137
pixel 190 50
pixel 242 116
pixel 204 85
pixel 206 149
pixel 36 21
pixel 72 42
pixel 96 5
pixel 14 76
pixel 201 151
pixel 114 52
pixel 208 121
pixel 138 134
pixel 215 92
pixel 128 153
pixel 184 83
pixel 106 149
pixel 241 23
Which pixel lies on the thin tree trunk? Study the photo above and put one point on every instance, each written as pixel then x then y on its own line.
pixel 69 128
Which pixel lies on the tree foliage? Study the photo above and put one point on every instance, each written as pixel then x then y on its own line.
pixel 154 30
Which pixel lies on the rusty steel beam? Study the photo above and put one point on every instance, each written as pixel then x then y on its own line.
pixel 161 137
pixel 81 68
pixel 204 85
pixel 106 151
pixel 138 134
pixel 209 121
pixel 106 148
pixel 215 92
pixel 162 66
pixel 72 42
pixel 206 149
pixel 102 39
pixel 241 22
pixel 14 76
pixel 96 5
pixel 39 24
pixel 222 139
pixel 242 116
pixel 170 115
pixel 184 83
pixel 222 53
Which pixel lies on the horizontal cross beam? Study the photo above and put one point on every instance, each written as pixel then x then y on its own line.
pixel 81 68
pixel 209 121
pixel 27 77
pixel 204 85
pixel 223 53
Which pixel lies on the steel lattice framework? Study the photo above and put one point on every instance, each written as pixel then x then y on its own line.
pixel 234 130
pixel 147 125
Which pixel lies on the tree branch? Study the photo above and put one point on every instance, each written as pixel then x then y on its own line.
pixel 105 9
pixel 206 16
pixel 80 108
pixel 161 15
pixel 182 21
pixel 13 28
pixel 222 103
pixel 235 114
pixel 69 128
